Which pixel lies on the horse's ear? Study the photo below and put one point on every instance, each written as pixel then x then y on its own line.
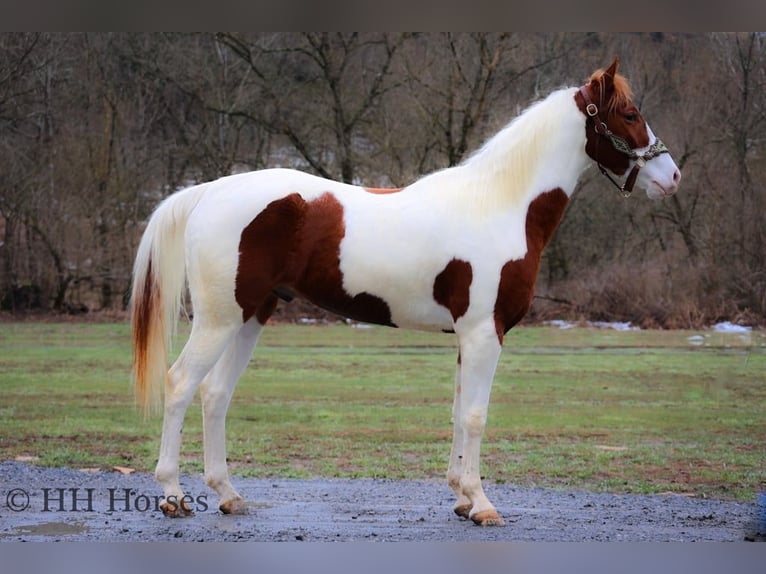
pixel 607 79
pixel 611 71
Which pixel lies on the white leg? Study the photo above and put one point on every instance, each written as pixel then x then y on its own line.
pixel 455 470
pixel 201 352
pixel 479 352
pixel 216 390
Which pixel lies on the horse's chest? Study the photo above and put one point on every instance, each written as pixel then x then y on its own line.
pixel 517 276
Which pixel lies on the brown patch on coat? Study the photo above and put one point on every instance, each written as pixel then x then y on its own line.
pixel 383 190
pixel 293 245
pixel 264 247
pixel 452 287
pixel 517 278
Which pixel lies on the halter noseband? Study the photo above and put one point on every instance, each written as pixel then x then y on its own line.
pixel 657 148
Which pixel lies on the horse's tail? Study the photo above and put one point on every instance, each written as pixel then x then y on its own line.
pixel 159 279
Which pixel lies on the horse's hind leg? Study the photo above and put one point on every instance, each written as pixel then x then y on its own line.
pixel 204 347
pixel 216 391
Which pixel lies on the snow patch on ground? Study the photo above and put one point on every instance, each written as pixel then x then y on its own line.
pixel 722 327
pixel 729 327
pixel 615 325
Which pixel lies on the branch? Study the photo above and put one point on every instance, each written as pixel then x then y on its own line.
pixel 554 299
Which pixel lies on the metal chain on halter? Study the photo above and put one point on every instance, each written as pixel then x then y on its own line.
pixel 657 148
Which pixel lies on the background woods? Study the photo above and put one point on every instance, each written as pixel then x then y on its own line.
pixel 96 128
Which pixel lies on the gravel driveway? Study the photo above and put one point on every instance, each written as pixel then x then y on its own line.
pixel 63 504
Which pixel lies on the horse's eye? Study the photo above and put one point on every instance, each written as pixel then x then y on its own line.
pixel 631 116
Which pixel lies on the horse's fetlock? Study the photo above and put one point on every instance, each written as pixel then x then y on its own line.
pixel 164 474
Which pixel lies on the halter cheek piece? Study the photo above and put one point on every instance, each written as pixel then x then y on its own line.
pixel 657 148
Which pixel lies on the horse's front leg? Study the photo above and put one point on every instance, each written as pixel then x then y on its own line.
pixel 479 353
pixel 455 470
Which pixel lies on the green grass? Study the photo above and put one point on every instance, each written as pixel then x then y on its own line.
pixel 638 411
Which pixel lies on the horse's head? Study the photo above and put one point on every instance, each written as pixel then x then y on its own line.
pixel 620 141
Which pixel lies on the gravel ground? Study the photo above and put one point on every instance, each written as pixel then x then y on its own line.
pixel 41 504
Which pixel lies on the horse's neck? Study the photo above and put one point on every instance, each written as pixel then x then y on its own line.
pixel 541 150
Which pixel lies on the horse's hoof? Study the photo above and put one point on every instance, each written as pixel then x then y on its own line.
pixel 488 518
pixel 463 510
pixel 173 509
pixel 233 506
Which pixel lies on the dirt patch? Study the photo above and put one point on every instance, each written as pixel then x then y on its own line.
pixel 63 504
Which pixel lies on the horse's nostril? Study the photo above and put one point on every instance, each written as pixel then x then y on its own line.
pixel 676 177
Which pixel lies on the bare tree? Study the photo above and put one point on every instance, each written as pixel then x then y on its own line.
pixel 320 87
pixel 96 128
pixel 17 65
pixel 741 120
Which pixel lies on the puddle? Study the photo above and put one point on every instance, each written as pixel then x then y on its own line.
pixel 50 529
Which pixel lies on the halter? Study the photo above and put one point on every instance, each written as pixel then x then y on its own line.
pixel 622 146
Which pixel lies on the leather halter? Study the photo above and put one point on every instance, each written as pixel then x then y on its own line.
pixel 657 148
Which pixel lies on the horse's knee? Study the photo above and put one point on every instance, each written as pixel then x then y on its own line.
pixel 474 421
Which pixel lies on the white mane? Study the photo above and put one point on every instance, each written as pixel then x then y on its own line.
pixel 532 154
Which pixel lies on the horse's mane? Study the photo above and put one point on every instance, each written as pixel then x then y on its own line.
pixel 508 166
pixel 622 93
pixel 514 153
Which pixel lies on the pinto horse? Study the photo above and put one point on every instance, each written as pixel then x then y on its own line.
pixel 456 251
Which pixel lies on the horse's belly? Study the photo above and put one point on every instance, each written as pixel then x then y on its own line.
pixel 403 281
pixel 396 305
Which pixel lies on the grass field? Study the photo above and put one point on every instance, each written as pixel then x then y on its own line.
pixel 637 411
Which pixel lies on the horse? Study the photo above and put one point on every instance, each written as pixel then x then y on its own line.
pixel 458 251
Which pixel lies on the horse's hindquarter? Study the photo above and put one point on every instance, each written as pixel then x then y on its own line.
pixel 244 238
pixel 255 233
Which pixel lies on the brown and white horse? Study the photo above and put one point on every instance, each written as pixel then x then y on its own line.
pixel 456 251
